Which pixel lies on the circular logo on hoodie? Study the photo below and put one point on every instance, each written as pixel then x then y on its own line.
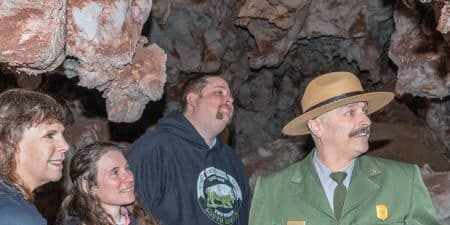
pixel 219 195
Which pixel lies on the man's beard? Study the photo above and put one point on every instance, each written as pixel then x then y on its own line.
pixel 363 130
pixel 220 115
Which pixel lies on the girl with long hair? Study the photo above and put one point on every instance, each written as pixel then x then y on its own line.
pixel 103 189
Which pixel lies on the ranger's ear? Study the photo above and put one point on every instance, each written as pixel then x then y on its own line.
pixel 314 126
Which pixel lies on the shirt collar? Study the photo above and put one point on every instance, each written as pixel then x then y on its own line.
pixel 324 172
pixel 213 143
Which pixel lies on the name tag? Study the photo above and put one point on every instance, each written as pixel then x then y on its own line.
pixel 295 222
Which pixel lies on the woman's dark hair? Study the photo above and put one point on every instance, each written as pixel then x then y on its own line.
pixel 82 203
pixel 21 109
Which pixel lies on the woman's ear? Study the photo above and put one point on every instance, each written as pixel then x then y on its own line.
pixel 85 187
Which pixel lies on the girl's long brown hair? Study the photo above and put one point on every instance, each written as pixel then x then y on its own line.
pixel 82 204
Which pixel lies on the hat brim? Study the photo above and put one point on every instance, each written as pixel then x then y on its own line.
pixel 375 101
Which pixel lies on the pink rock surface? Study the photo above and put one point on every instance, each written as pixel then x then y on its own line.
pixel 421 59
pixel 105 39
pixel 444 19
pixel 105 32
pixel 32 34
pixel 135 85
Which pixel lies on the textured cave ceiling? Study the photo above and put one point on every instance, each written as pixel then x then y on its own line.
pixel 122 63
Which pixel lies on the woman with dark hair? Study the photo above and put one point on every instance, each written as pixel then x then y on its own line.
pixel 32 148
pixel 103 189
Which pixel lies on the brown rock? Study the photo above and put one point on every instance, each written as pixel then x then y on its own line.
pixel 105 39
pixel 438 185
pixel 32 34
pixel 421 59
pixel 272 157
pixel 407 143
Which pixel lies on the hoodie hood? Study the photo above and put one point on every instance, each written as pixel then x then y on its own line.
pixel 177 124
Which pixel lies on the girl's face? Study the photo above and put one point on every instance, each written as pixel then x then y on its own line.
pixel 40 155
pixel 115 182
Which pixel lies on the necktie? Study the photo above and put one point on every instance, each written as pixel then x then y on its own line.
pixel 339 193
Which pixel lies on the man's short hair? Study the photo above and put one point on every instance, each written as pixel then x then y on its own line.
pixel 193 85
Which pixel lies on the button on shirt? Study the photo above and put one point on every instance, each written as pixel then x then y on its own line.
pixel 329 184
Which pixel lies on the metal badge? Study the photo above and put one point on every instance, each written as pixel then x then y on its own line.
pixel 382 212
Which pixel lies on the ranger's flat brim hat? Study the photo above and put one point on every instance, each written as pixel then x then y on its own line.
pixel 330 91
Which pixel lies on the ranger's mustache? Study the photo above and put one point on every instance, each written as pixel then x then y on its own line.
pixel 363 130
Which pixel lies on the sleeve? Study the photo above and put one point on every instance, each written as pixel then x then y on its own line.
pixel 422 211
pixel 259 210
pixel 20 216
pixel 146 161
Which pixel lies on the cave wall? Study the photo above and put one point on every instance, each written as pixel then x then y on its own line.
pixel 267 50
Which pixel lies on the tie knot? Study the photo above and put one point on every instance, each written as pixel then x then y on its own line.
pixel 338 177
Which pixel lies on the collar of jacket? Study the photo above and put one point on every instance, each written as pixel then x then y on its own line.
pixel 305 183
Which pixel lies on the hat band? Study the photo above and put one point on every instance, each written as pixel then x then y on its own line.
pixel 336 98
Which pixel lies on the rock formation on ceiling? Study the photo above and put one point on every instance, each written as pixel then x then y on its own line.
pixel 268 50
pixel 198 37
pixel 32 34
pixel 280 45
pixel 422 56
pixel 296 42
pixel 102 46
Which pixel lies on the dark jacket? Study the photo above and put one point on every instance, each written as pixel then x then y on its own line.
pixel 180 181
pixel 15 210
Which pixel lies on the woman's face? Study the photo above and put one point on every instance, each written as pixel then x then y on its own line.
pixel 40 154
pixel 115 182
